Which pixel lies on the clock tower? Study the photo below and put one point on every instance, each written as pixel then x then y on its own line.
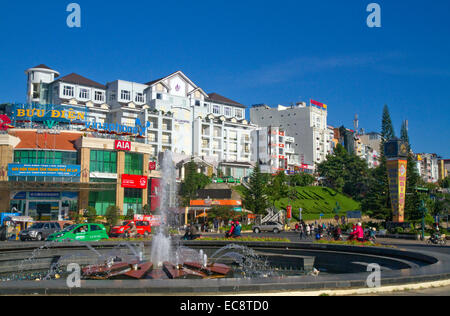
pixel 396 152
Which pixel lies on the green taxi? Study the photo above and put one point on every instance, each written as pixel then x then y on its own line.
pixel 80 232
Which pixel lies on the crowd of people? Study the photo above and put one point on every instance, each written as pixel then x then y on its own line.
pixel 334 232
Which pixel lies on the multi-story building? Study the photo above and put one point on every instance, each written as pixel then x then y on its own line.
pixel 428 166
pixel 79 143
pixel 306 124
pixel 274 150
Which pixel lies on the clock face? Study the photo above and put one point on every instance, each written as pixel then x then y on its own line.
pixel 403 149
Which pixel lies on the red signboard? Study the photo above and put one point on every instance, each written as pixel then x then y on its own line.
pixel 152 166
pixel 289 212
pixel 154 194
pixel 122 145
pixel 134 182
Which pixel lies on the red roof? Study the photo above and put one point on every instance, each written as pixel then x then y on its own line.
pixel 33 140
pixel 221 99
pixel 82 81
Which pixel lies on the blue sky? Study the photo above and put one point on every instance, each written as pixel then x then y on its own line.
pixel 252 52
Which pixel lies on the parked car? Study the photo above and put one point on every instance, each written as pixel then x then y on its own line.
pixel 80 232
pixel 229 180
pixel 268 227
pixel 143 227
pixel 217 180
pixel 39 231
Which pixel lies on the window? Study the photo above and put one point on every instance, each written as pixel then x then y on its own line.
pixel 68 91
pixel 159 96
pixel 133 163
pixel 84 93
pixel 125 95
pixel 197 103
pixel 139 97
pixel 45 157
pixel 112 97
pixel 239 114
pixel 216 109
pixel 227 111
pixel 99 96
pixel 95 228
pixel 103 161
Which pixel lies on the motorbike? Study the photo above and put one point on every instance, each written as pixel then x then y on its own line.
pixel 438 240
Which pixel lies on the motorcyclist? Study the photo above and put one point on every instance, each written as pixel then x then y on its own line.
pixel 230 233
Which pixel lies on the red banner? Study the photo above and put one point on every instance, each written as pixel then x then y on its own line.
pixel 122 145
pixel 134 182
pixel 324 106
pixel 152 166
pixel 289 212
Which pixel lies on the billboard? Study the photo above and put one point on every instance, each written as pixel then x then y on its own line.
pixel 134 182
pixel 154 194
pixel 397 170
pixel 24 170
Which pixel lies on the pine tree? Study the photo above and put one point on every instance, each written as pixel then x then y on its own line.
pixel 255 198
pixel 413 180
pixel 377 201
pixel 404 135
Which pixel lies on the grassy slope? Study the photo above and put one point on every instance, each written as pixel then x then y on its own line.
pixel 316 200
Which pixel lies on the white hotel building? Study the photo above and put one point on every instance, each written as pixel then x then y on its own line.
pixel 306 124
pixel 184 118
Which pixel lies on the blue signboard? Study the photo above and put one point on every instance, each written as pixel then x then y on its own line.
pixel 354 214
pixel 21 170
pixel 45 195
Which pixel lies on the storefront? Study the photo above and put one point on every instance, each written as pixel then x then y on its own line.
pixel 45 205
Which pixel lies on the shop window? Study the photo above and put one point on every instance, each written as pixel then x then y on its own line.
pixel 134 164
pixel 103 161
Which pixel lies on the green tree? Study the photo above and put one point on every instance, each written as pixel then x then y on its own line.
pixel 255 198
pixel 301 180
pixel 91 214
pixel 346 173
pixel 278 188
pixel 112 215
pixel 377 202
pixel 193 182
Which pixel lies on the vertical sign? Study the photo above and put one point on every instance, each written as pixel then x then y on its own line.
pixel 289 212
pixel 397 169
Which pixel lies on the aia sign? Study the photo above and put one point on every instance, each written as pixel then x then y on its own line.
pixel 122 145
pixel 152 166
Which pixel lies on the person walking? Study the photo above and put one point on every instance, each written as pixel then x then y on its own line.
pixel 302 231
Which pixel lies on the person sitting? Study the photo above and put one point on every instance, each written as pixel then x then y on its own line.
pixel 132 231
pixel 191 233
pixel 237 230
pixel 230 233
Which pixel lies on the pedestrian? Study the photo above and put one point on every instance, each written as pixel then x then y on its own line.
pixel 302 232
pixel 308 230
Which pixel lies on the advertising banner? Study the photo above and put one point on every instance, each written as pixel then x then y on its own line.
pixel 22 170
pixel 134 182
pixel 154 194
pixel 289 212
pixel 397 187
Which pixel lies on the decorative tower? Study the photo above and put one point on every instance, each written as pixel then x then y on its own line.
pixel 39 78
pixel 396 152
